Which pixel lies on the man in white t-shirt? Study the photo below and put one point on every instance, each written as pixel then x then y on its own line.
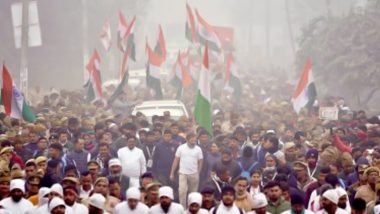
pixel 189 157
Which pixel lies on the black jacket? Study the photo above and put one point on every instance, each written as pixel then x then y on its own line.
pixel 49 179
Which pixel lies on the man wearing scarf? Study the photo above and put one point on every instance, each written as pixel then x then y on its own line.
pixel 243 199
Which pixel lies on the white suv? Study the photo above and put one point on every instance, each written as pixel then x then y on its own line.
pixel 157 107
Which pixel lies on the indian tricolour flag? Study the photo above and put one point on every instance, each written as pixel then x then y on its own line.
pixel 181 76
pixel 190 25
pixel 231 78
pixel 122 29
pixel 305 93
pixel 202 111
pixel 160 48
pixel 153 72
pixel 94 84
pixel 124 76
pixel 130 36
pixel 126 36
pixel 193 68
pixel 14 102
pixel 206 34
pixel 105 35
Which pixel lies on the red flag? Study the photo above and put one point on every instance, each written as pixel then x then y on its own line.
pixel 205 58
pixel 153 57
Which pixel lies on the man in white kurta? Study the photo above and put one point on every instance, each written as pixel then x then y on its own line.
pixel 194 201
pixel 71 197
pixel 43 199
pixel 227 205
pixel 133 161
pixel 133 204
pixel 15 203
pixel 329 202
pixel 166 205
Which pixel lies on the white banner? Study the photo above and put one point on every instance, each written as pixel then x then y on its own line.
pixel 328 113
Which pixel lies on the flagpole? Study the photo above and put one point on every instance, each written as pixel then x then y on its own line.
pixel 118 75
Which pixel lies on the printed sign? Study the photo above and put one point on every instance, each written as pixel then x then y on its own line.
pixel 328 113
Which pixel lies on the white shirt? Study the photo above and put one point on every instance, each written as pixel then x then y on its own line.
pixel 376 209
pixel 226 210
pixel 254 212
pixel 188 162
pixel 20 207
pixel 34 210
pixel 313 196
pixel 42 209
pixel 200 211
pixel 78 208
pixel 133 161
pixel 254 191
pixel 69 210
pixel 174 208
pixel 83 193
pixel 338 211
pixel 123 208
pixel 290 212
pixel 314 204
pixel 3 211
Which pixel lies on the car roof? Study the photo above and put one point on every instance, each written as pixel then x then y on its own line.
pixel 161 103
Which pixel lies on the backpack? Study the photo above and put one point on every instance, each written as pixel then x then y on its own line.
pixel 217 206
pixel 246 173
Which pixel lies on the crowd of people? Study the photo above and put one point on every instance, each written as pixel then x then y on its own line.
pixel 261 158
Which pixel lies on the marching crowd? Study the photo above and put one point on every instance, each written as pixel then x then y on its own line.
pixel 261 158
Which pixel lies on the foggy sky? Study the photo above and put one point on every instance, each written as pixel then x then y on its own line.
pixel 59 61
